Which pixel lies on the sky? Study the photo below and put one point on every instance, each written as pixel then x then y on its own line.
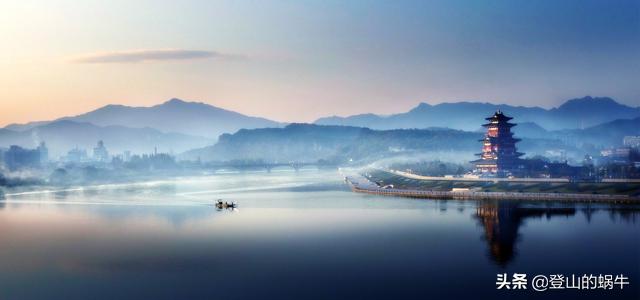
pixel 296 61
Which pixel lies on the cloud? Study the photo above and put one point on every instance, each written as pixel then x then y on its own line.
pixel 137 56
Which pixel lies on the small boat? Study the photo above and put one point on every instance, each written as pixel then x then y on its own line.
pixel 225 204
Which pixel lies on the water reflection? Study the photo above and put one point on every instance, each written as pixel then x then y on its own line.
pixel 501 221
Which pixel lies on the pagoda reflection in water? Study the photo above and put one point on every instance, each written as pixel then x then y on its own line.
pixel 501 221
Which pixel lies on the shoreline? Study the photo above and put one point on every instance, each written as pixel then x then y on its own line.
pixel 369 187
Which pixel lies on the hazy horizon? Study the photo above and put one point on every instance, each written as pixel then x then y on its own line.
pixel 299 61
pixel 300 121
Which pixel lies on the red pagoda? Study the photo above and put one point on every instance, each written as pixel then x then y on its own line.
pixel 499 156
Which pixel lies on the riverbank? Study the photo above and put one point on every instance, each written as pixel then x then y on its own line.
pixel 388 183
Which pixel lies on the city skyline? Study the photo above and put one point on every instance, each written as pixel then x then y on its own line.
pixel 278 59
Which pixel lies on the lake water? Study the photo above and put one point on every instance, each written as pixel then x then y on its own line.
pixel 299 235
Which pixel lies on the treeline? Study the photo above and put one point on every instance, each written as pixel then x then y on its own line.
pixel 331 144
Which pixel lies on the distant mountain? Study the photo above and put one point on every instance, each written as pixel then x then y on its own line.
pixel 529 130
pixel 575 113
pixel 607 134
pixel 61 136
pixel 310 143
pixel 295 142
pixel 175 115
pixel 26 126
pixel 363 120
pixel 603 135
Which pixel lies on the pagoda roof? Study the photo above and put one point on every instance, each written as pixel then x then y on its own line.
pixel 485 161
pixel 515 154
pixel 481 160
pixel 496 160
pixel 498 115
pixel 499 124
pixel 494 139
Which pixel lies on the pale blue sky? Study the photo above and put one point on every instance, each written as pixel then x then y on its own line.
pixel 300 60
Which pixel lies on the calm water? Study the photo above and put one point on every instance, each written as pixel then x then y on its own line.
pixel 298 235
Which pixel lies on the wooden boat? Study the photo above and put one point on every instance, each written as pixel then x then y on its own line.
pixel 225 204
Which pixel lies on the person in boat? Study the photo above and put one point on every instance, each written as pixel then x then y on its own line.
pixel 225 204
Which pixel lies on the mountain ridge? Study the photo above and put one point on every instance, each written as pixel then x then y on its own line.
pixel 201 119
pixel 172 116
pixel 312 142
pixel 574 113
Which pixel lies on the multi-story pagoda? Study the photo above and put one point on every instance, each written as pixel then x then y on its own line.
pixel 499 156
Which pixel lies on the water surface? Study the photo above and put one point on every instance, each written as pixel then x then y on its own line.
pixel 298 235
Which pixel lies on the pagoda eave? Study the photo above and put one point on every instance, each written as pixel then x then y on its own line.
pixel 484 162
pixel 496 124
pixel 500 118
